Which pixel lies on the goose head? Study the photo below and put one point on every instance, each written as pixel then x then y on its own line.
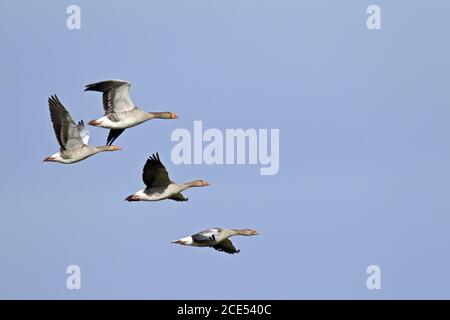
pixel 199 183
pixel 110 148
pixel 163 115
pixel 246 232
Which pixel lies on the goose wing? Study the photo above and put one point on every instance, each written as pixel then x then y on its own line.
pixel 66 131
pixel 226 246
pixel 178 197
pixel 205 236
pixel 84 132
pixel 116 95
pixel 154 173
pixel 113 135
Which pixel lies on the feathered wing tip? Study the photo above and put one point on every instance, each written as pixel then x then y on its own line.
pixel 113 135
pixel 84 132
pixel 80 124
pixel 104 86
pixel 154 157
pixel 61 120
pixel 154 173
pixel 53 100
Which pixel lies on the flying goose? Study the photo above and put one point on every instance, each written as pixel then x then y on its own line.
pixel 217 238
pixel 72 138
pixel 158 184
pixel 120 111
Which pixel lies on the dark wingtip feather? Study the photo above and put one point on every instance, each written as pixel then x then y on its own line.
pixel 113 135
pixel 154 157
pixel 53 100
pixel 104 86
pixel 90 87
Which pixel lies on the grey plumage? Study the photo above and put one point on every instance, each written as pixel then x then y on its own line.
pixel 120 113
pixel 209 236
pixel 116 99
pixel 72 138
pixel 216 238
pixel 116 96
pixel 155 176
pixel 66 131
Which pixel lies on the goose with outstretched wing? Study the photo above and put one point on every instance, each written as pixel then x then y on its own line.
pixel 217 238
pixel 72 138
pixel 158 184
pixel 120 111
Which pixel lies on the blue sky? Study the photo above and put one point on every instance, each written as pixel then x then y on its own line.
pixel 364 149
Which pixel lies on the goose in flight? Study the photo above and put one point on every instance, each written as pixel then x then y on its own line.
pixel 120 111
pixel 72 138
pixel 158 184
pixel 217 238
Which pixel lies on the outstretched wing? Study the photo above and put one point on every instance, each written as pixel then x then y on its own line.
pixel 84 133
pixel 154 173
pixel 116 95
pixel 66 131
pixel 226 246
pixel 113 135
pixel 178 197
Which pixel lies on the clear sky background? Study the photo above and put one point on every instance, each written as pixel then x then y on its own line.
pixel 364 149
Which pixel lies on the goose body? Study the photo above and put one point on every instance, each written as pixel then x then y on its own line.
pixel 120 111
pixel 158 184
pixel 158 193
pixel 217 238
pixel 72 138
pixel 77 154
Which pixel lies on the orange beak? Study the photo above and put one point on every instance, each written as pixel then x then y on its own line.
pixel 205 183
pixel 173 115
pixel 49 159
